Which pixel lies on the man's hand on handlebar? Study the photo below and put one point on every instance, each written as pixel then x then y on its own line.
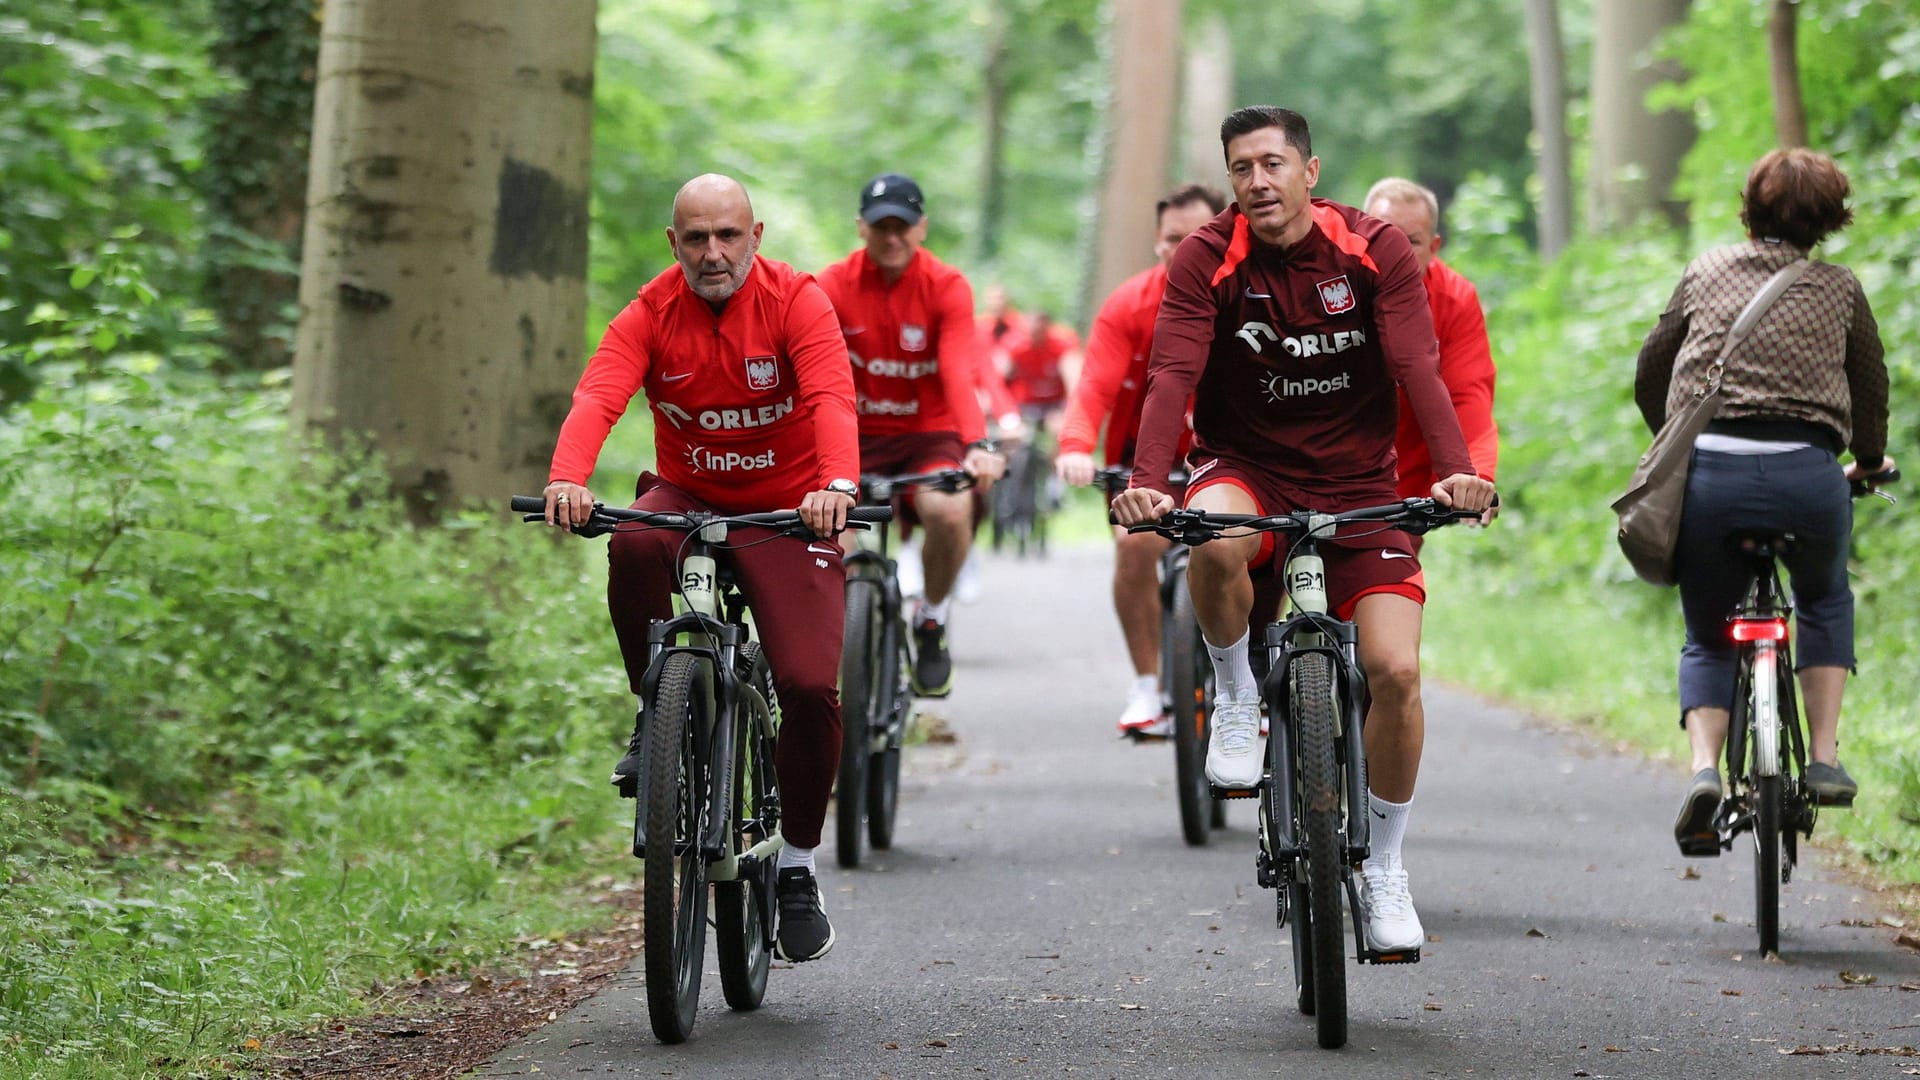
pixel 1138 506
pixel 1464 491
pixel 984 466
pixel 568 504
pixel 825 512
pixel 1075 469
pixel 1857 475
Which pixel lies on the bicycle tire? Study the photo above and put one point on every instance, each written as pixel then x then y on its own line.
pixel 1766 863
pixel 894 695
pixel 1322 809
pixel 743 909
pixel 858 668
pixel 1188 668
pixel 674 900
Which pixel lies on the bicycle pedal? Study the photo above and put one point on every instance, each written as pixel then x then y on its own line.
pixel 1403 956
pixel 1233 793
pixel 1700 846
pixel 1138 736
pixel 1843 803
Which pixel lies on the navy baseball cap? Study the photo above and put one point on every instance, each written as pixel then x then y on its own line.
pixel 891 195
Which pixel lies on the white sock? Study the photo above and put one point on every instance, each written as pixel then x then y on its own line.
pixel 1233 672
pixel 1386 830
pixel 794 856
pixel 1146 685
pixel 937 612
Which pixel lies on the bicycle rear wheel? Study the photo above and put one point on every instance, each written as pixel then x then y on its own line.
pixel 674 898
pixel 859 680
pixel 1767 794
pixel 1189 672
pixel 743 909
pixel 892 699
pixel 1322 807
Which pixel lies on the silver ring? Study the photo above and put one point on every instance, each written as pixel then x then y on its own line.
pixel 562 497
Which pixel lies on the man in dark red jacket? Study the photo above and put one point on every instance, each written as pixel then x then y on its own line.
pixel 1292 321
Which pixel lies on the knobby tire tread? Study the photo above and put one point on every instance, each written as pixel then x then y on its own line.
pixel 743 939
pixel 1187 689
pixel 1322 806
pixel 858 670
pixel 674 893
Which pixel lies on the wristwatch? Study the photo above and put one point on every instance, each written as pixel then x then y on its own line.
pixel 989 445
pixel 844 487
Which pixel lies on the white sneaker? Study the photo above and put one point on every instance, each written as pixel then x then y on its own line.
pixel 912 578
pixel 1233 752
pixel 1392 924
pixel 1144 716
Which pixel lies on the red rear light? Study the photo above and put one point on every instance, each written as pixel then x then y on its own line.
pixel 1760 630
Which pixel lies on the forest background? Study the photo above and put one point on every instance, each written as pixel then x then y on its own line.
pixel 279 733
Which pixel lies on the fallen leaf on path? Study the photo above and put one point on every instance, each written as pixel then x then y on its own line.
pixel 1534 931
pixel 1689 874
pixel 1731 993
pixel 1859 978
pixel 937 1042
pixel 1430 1006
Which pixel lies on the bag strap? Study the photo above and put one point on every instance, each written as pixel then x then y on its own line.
pixel 1781 280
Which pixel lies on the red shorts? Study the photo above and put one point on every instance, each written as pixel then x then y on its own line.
pixel 909 453
pixel 1361 559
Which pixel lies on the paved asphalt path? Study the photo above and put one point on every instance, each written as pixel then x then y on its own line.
pixel 1040 916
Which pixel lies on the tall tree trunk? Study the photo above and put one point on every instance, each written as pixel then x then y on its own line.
pixel 994 96
pixel 443 284
pixel 1146 70
pixel 1549 95
pixel 255 176
pixel 1789 110
pixel 1206 97
pixel 1636 153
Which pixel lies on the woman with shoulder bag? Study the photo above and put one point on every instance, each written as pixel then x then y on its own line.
pixel 1809 382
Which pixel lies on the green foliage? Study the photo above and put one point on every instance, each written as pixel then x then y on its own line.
pixel 97 119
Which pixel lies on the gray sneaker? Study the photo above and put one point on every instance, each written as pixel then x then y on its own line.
pixel 1830 784
pixel 1693 829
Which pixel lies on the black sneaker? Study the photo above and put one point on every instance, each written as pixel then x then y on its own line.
pixel 932 667
pixel 1830 784
pixel 626 775
pixel 803 932
pixel 1693 829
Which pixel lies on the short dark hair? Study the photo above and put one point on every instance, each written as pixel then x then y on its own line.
pixel 1797 195
pixel 1187 195
pixel 1254 117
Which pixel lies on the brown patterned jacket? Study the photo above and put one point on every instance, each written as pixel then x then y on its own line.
pixel 1815 356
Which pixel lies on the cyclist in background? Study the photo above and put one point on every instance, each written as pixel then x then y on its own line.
pixel 1111 389
pixel 1289 320
pixel 1809 383
pixel 907 319
pixel 1466 357
pixel 745 370
pixel 1040 364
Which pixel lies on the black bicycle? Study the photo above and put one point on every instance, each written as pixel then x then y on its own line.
pixel 876 695
pixel 1186 680
pixel 1027 495
pixel 1767 792
pixel 1313 789
pixel 707 800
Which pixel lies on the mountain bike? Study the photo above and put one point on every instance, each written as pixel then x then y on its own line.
pixel 1028 495
pixel 1766 751
pixel 1313 788
pixel 1186 681
pixel 707 800
pixel 876 697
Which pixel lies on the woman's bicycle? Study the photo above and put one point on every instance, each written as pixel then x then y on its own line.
pixel 1767 792
pixel 1313 791
pixel 876 695
pixel 707 801
pixel 1186 679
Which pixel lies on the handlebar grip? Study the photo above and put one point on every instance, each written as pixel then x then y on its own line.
pixel 529 504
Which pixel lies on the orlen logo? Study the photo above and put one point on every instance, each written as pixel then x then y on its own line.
pixel 1279 386
pixel 1303 345
pixel 705 460
pixel 896 369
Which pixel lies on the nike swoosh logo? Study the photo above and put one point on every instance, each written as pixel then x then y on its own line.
pixel 676 378
pixel 849 331
pixel 1380 815
pixel 1395 555
pixel 818 550
pixel 1251 295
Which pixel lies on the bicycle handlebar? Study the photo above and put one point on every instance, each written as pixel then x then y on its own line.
pixel 881 488
pixel 1113 479
pixel 605 519
pixel 1870 485
pixel 1193 527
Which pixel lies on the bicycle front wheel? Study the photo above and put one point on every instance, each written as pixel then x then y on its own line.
pixel 743 909
pixel 859 681
pixel 1322 809
pixel 674 895
pixel 891 704
pixel 1188 670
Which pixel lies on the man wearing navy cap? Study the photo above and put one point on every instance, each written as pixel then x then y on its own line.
pixel 908 322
